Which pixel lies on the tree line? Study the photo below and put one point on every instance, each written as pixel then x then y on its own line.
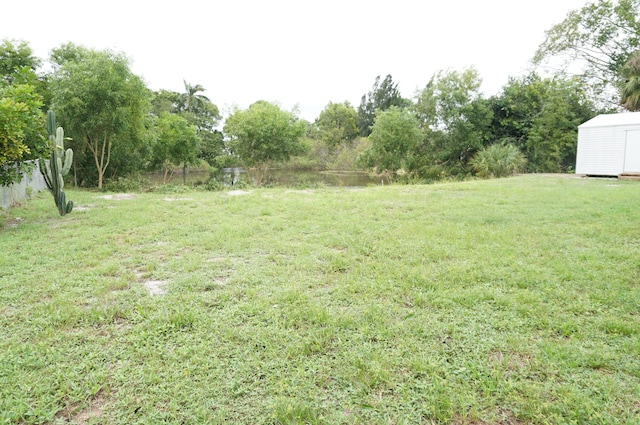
pixel 448 129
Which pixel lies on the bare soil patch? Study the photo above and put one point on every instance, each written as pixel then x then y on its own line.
pixel 304 191
pixel 118 196
pixel 177 199
pixel 154 287
pixel 88 414
pixel 238 192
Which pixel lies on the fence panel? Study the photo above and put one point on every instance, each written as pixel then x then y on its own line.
pixel 11 194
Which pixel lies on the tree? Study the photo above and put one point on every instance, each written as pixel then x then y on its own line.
pixel 164 101
pixel 552 140
pixel 455 117
pixel 262 135
pixel 22 135
pixel 394 136
pixel 176 143
pixel 516 108
pixel 601 35
pixel 16 58
pixel 630 85
pixel 100 102
pixel 337 124
pixel 381 97
pixel 540 117
pixel 190 100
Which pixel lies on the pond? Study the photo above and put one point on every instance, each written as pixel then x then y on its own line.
pixel 284 177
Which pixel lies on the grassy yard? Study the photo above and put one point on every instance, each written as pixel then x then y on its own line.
pixel 509 301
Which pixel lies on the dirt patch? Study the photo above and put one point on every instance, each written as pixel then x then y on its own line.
pixel 118 196
pixel 13 223
pixel 87 414
pixel 238 192
pixel 305 191
pixel 177 199
pixel 83 207
pixel 217 260
pixel 155 287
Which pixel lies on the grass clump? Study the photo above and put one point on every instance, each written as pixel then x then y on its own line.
pixel 500 301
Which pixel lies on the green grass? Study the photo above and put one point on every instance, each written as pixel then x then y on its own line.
pixel 509 301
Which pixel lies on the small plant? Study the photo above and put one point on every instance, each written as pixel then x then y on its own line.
pixel 55 168
pixel 499 160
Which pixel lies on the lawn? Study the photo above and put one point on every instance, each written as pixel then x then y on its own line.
pixel 509 301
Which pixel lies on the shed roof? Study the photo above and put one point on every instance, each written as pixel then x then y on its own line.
pixel 605 120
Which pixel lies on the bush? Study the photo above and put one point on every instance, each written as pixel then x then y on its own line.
pixel 126 184
pixel 498 160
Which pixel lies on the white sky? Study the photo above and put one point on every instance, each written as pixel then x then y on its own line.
pixel 303 53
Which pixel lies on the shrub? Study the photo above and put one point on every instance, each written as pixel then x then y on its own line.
pixel 135 183
pixel 498 160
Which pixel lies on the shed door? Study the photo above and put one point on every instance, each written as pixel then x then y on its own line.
pixel 632 152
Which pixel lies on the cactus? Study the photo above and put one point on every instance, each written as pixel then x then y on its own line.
pixel 58 166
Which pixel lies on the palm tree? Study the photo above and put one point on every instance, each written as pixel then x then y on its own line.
pixel 630 89
pixel 191 99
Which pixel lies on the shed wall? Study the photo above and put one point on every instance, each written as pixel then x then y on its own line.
pixel 601 150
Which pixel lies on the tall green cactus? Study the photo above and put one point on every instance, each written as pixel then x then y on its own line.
pixel 55 168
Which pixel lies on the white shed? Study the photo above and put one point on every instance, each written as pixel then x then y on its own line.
pixel 609 145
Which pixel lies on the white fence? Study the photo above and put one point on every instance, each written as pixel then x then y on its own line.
pixel 9 195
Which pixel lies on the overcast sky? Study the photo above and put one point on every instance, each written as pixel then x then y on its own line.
pixel 304 53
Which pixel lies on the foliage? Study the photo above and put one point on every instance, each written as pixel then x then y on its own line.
pixel 540 117
pixel 394 137
pixel 262 135
pixel 601 35
pixel 164 101
pixel 16 60
pixel 176 143
pixel 381 97
pixel 455 117
pixel 200 112
pixel 22 135
pixel 630 84
pixel 54 169
pixel 101 104
pixel 498 161
pixel 131 183
pixel 337 124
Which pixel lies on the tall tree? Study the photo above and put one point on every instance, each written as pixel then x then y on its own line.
pixel 630 84
pixel 176 143
pixel 262 135
pixel 99 101
pixel 22 135
pixel 337 124
pixel 16 57
pixel 205 116
pixel 455 116
pixel 190 100
pixel 540 116
pixel 394 137
pixel 381 97
pixel 601 35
